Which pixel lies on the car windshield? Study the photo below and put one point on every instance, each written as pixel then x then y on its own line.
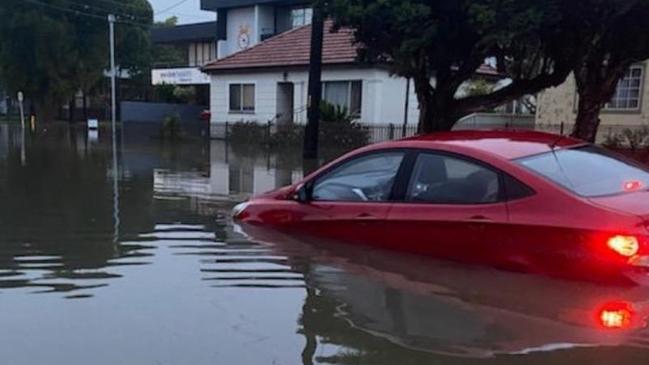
pixel 589 171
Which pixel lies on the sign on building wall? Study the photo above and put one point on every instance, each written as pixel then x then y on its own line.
pixel 179 76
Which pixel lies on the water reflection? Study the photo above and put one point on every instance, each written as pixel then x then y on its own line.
pixel 182 285
pixel 449 309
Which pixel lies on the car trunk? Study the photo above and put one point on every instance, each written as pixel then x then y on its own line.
pixel 635 203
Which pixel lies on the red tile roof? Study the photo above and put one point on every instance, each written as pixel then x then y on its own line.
pixel 292 48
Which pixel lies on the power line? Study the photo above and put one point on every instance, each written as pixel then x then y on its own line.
pixel 107 11
pixel 82 13
pixel 171 7
pixel 118 3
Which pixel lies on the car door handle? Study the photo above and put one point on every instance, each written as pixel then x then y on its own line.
pixel 366 217
pixel 479 218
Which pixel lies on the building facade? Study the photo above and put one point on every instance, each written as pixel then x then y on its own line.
pixel 268 82
pixel 627 109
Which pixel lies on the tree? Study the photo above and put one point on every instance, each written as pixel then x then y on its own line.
pixel 448 41
pixel 165 54
pixel 613 35
pixel 52 49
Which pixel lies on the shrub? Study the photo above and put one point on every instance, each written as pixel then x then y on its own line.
pixel 171 129
pixel 339 128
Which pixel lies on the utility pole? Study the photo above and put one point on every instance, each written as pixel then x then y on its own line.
pixel 315 84
pixel 405 108
pixel 21 98
pixel 111 25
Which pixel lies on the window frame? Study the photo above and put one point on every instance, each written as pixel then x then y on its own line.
pixel 241 109
pixel 608 109
pixel 502 194
pixel 405 174
pixel 402 170
pixel 350 88
pixel 305 16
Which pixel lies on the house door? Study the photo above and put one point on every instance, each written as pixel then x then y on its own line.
pixel 285 109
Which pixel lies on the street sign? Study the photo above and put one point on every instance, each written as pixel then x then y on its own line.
pixel 93 124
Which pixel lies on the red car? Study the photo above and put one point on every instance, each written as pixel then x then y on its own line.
pixel 515 199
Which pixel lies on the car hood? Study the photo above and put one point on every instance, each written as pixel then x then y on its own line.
pixel 636 203
pixel 281 193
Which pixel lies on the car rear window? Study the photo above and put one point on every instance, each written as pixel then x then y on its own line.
pixel 589 171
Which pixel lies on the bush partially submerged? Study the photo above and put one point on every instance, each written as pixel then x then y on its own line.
pixel 171 129
pixel 338 129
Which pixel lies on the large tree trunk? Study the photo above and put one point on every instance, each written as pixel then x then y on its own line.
pixel 426 102
pixel 434 108
pixel 587 121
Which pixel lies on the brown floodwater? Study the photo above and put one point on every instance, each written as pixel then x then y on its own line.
pixel 148 268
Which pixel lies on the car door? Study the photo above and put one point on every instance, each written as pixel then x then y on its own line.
pixel 350 201
pixel 452 207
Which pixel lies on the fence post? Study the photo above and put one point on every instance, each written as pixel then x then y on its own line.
pixel 268 126
pixel 226 131
pixel 391 131
pixel 561 129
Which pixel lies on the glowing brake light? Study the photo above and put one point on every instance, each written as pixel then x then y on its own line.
pixel 616 315
pixel 633 185
pixel 627 246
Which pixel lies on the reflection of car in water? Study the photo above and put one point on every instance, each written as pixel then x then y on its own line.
pixel 446 308
pixel 522 200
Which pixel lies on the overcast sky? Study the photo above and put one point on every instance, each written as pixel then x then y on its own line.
pixel 188 11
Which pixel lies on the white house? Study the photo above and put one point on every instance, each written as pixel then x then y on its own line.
pixel 268 82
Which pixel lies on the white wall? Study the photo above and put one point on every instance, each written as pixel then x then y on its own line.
pixel 383 98
pixel 240 21
pixel 265 20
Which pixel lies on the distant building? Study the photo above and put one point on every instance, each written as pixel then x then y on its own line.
pixel 628 108
pixel 268 82
pixel 244 23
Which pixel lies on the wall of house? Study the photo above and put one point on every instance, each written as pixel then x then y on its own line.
pixel 265 20
pixel 557 105
pixel 383 96
pixel 240 23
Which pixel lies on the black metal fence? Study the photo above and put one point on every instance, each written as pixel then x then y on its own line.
pixel 269 131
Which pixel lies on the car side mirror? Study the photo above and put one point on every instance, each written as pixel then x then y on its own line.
pixel 302 194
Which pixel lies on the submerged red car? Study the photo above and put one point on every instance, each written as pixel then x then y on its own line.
pixel 516 199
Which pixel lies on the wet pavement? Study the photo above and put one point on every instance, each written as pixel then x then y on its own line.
pixel 151 270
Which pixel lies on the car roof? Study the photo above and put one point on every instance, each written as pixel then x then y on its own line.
pixel 508 144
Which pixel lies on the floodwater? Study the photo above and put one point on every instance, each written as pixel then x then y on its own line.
pixel 148 268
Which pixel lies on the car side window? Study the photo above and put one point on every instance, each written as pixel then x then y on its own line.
pixel 366 178
pixel 443 179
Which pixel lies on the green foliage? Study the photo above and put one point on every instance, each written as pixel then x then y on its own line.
pixel 167 55
pixel 611 36
pixel 248 132
pixel 50 54
pixel 171 129
pixel 167 93
pixel 479 87
pixel 450 40
pixel 340 128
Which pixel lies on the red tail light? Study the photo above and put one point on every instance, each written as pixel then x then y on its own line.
pixel 617 315
pixel 627 246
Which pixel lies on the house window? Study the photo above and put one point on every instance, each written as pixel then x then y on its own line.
pixel 629 90
pixel 301 16
pixel 242 98
pixel 347 94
